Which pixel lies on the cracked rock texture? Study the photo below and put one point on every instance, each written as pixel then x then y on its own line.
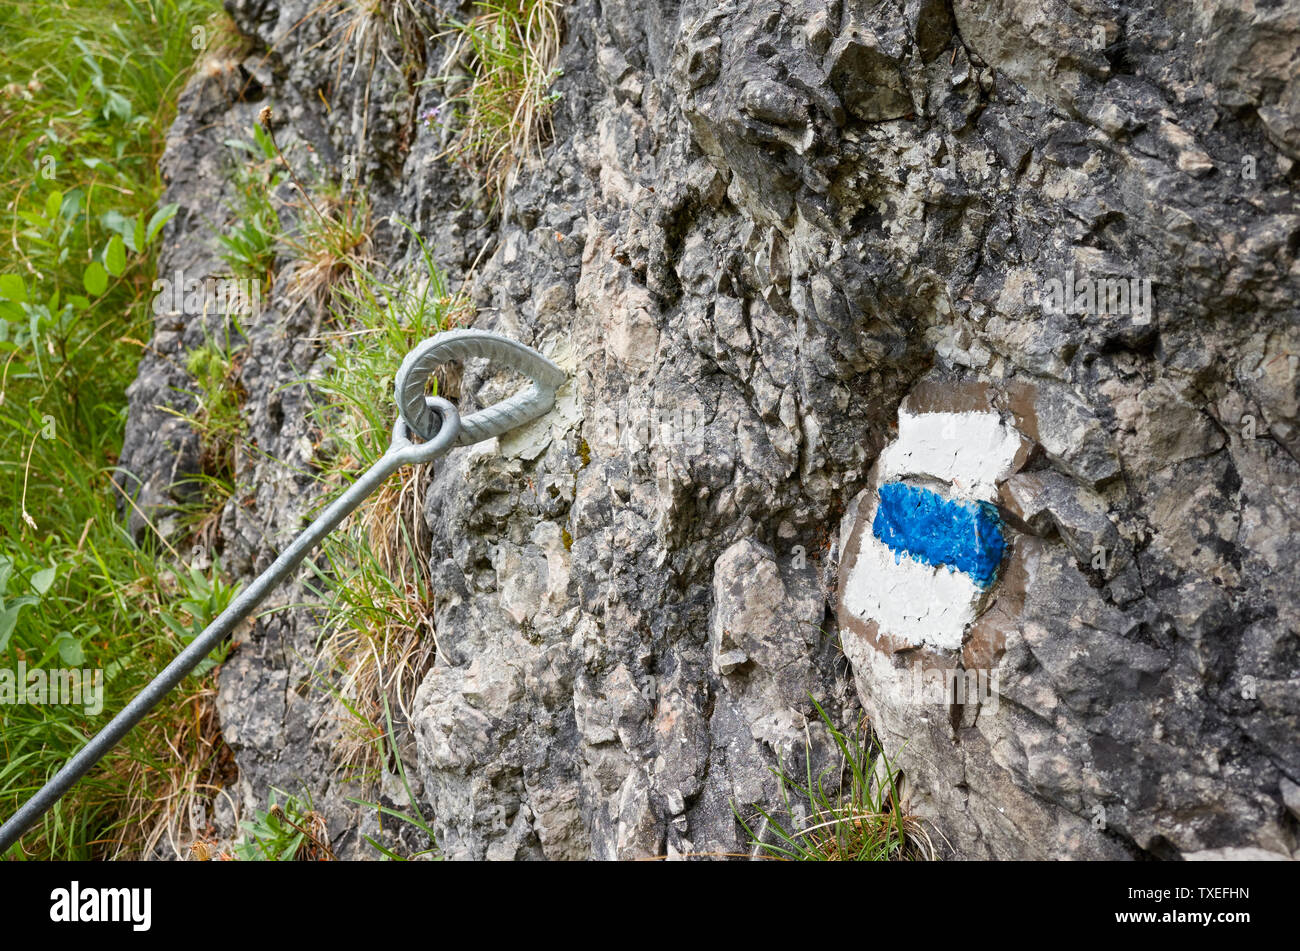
pixel 759 226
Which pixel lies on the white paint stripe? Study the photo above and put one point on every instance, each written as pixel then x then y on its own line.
pixel 917 603
pixel 969 451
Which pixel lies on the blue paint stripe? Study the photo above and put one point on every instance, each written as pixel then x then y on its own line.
pixel 919 523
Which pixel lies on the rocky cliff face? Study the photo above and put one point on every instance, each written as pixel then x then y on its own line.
pixel 769 240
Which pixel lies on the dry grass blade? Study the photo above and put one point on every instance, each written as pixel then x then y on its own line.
pixel 198 765
pixel 380 634
pixel 331 244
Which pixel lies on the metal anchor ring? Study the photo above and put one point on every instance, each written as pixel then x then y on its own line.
pixel 528 404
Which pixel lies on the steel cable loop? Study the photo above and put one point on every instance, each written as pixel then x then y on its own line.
pixel 404 452
pixel 523 407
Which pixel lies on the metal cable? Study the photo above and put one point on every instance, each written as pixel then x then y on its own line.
pixel 434 420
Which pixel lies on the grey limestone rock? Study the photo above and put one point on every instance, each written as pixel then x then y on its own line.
pixel 758 228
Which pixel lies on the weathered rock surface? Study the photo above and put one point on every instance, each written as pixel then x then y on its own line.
pixel 759 227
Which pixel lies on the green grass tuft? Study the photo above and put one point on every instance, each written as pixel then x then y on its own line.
pixel 287 830
pixel 497 80
pixel 374 577
pixel 849 812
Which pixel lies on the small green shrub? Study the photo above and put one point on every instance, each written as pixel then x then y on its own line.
pixel 288 831
pixel 250 241
pixel 216 416
pixel 205 596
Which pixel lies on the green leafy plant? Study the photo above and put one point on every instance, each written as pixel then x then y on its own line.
pixel 850 812
pixel 205 597
pixel 216 417
pixel 49 312
pixel 285 831
pixel 250 242
pixel 11 606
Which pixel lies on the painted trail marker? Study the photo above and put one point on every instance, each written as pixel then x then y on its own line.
pixel 930 542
